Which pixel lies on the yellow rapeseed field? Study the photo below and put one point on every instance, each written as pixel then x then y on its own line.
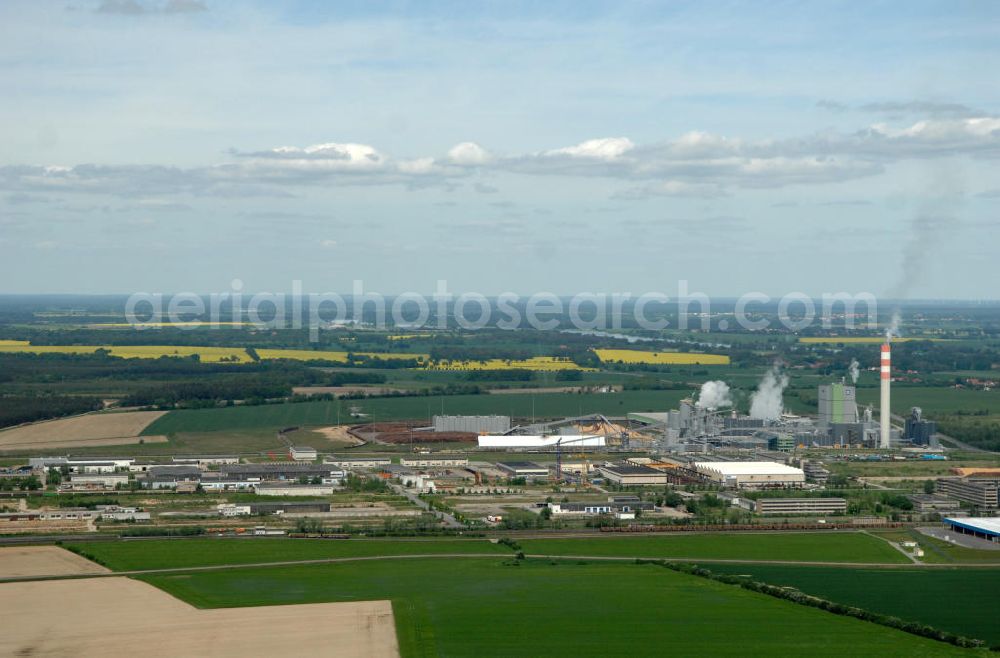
pixel 330 355
pixel 661 358
pixel 14 342
pixel 534 363
pixel 406 336
pixel 25 348
pixel 205 354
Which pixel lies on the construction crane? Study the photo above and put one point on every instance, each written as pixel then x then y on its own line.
pixel 559 444
pixel 559 460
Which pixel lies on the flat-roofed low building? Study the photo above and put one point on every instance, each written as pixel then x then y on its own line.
pixel 206 460
pixel 368 463
pixel 302 453
pixel 229 510
pixel 800 505
pixel 980 492
pixel 931 503
pixel 751 475
pixel 117 513
pixel 98 480
pixel 280 471
pixel 295 489
pixel 169 477
pixel 523 469
pixel 738 501
pixel 434 462
pixel 83 464
pixel 589 508
pixel 987 528
pixel 214 481
pixel 632 475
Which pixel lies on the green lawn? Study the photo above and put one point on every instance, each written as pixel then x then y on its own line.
pixel 962 601
pixel 483 607
pixel 936 550
pixel 546 405
pixel 795 546
pixel 171 553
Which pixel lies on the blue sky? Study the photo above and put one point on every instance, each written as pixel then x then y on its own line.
pixel 170 145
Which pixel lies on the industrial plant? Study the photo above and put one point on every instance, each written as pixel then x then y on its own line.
pixel 709 422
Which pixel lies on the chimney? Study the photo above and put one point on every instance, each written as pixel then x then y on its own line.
pixel 885 414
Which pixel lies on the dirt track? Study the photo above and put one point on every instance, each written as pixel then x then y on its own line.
pixel 339 434
pixel 82 431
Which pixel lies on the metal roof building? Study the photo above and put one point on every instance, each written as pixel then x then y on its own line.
pixel 987 528
pixel 752 474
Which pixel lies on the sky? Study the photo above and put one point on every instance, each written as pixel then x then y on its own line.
pixel 177 145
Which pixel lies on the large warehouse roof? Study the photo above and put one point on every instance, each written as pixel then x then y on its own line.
pixel 986 525
pixel 748 468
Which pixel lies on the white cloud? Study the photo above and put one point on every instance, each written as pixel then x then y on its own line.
pixel 328 244
pixel 469 153
pixel 607 148
pixel 331 155
pixel 696 164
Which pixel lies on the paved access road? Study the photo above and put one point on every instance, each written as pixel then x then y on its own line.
pixel 448 519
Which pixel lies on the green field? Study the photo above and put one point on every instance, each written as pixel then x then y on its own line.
pixel 828 546
pixel 805 547
pixel 962 601
pixel 176 553
pixel 934 400
pixel 483 607
pixel 276 416
pixel 919 469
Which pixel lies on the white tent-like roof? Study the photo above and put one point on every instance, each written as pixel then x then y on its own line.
pixel 544 441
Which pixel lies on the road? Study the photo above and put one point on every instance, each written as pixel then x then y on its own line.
pixel 446 518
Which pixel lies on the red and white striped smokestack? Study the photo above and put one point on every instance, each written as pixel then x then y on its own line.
pixel 885 413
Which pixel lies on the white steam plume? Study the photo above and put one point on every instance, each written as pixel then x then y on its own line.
pixel 714 395
pixel 893 330
pixel 854 369
pixel 766 401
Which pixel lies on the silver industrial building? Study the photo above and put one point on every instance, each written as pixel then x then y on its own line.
pixel 801 506
pixel 473 424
